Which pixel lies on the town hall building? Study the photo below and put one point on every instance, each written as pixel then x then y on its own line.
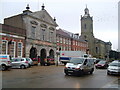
pixel 40 38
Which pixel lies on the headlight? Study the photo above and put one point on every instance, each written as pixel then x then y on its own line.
pixel 77 68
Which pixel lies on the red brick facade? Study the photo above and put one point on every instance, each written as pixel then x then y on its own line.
pixel 13 41
pixel 67 41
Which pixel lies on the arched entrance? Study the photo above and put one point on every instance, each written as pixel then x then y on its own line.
pixel 42 56
pixel 51 57
pixel 33 52
pixel 51 53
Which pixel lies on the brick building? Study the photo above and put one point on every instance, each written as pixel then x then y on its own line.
pixel 12 41
pixel 67 41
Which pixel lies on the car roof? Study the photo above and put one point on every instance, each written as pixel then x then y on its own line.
pixel 19 58
pixel 82 57
pixel 116 61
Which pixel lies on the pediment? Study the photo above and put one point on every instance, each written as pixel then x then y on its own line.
pixel 44 16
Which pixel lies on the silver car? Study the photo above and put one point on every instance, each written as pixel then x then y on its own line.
pixel 30 62
pixel 19 63
pixel 114 68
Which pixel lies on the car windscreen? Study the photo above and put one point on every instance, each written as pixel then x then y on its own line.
pixel 101 62
pixel 76 60
pixel 115 64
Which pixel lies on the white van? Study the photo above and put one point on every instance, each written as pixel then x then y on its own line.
pixel 65 56
pixel 79 66
pixel 5 62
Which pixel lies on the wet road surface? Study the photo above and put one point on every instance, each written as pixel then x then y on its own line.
pixel 54 77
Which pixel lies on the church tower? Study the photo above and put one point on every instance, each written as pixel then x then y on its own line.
pixel 87 30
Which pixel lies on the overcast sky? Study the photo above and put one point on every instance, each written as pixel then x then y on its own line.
pixel 68 14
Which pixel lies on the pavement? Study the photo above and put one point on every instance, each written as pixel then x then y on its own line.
pixel 114 84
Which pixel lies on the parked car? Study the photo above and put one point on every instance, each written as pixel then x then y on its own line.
pixel 30 62
pixel 51 60
pixel 5 62
pixel 79 66
pixel 19 63
pixel 114 68
pixel 102 64
pixel 97 60
pixel 35 61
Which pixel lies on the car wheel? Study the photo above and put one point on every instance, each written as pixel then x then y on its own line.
pixel 66 74
pixel 106 67
pixel 29 65
pixel 64 63
pixel 91 72
pixel 108 73
pixel 22 67
pixel 81 73
pixel 3 67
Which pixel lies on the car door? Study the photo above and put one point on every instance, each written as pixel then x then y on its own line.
pixel 90 64
pixel 15 63
pixel 85 65
pixel 22 61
